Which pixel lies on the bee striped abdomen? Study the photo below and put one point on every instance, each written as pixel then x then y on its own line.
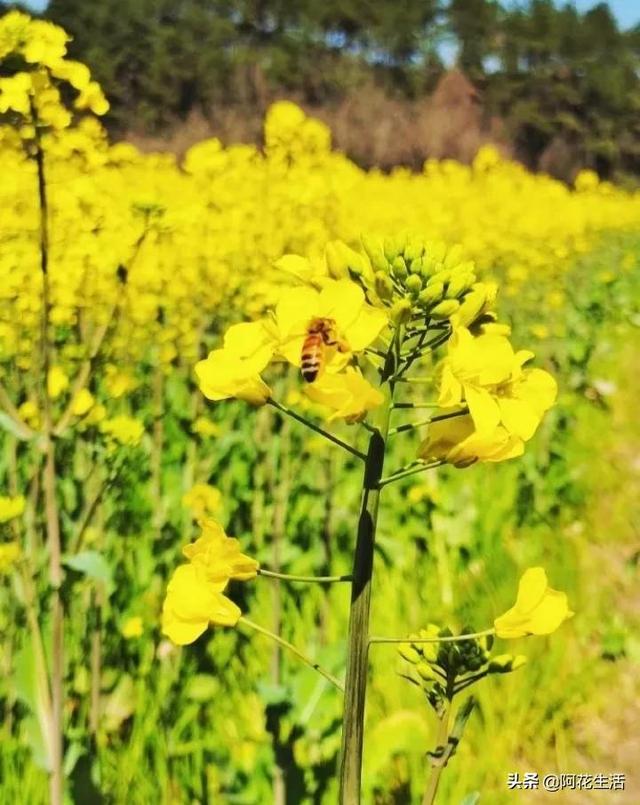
pixel 312 356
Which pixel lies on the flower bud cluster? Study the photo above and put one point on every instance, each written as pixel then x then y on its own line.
pixel 444 668
pixel 417 278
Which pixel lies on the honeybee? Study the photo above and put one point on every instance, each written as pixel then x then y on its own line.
pixel 321 333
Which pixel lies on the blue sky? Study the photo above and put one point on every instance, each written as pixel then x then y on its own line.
pixel 627 11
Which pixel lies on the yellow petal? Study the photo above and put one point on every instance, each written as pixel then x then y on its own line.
pixel 531 588
pixel 366 328
pixel 483 408
pixel 518 417
pixel 342 301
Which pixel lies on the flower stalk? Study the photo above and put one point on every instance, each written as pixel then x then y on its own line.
pixel 295 651
pixel 304 579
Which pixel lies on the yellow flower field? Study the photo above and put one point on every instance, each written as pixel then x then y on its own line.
pixel 396 391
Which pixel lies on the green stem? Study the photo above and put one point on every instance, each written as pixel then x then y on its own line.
pixel 52 516
pixel 429 421
pixel 358 640
pixel 299 418
pixel 443 639
pixel 308 579
pixel 397 476
pixel 23 431
pixel 290 647
pixel 470 680
pixel 436 771
pixel 416 405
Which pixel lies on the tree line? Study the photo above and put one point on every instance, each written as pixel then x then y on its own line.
pixel 553 75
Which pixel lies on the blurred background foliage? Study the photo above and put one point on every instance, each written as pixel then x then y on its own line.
pixel 557 88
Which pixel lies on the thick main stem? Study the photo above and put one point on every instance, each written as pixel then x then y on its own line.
pixel 358 640
pixel 51 506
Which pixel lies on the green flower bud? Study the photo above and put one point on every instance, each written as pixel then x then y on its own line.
pixel 471 307
pixel 439 276
pixel 437 251
pixel 445 309
pixel 432 293
pixel 425 671
pixel 375 252
pixel 399 268
pixel 383 285
pixel 459 284
pixel 401 312
pixel 474 663
pixel 454 257
pixel 415 266
pixel 430 650
pixel 409 654
pixel 343 261
pixel 413 283
pixel 505 663
pixel 394 246
pixel 414 249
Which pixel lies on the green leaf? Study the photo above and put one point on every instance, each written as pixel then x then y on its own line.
pixel 93 565
pixel 202 688
pixel 13 427
pixel 71 757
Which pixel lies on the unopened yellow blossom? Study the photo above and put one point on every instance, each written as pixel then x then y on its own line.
pixel 538 610
pixel 10 552
pixel 82 402
pixel 348 395
pixel 57 382
pixel 202 499
pixel 11 507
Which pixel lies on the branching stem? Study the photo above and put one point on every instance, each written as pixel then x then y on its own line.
pixel 306 579
pixel 290 647
pixel 317 429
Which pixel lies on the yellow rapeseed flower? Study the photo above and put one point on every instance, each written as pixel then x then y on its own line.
pixel 457 442
pixel 487 375
pixel 357 324
pixel 347 395
pixel 82 402
pixel 10 552
pixel 225 373
pixel 194 595
pixel 202 499
pixel 132 627
pixel 192 604
pixel 538 610
pixel 125 430
pixel 219 556
pixel 57 382
pixel 205 427
pixel 11 507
